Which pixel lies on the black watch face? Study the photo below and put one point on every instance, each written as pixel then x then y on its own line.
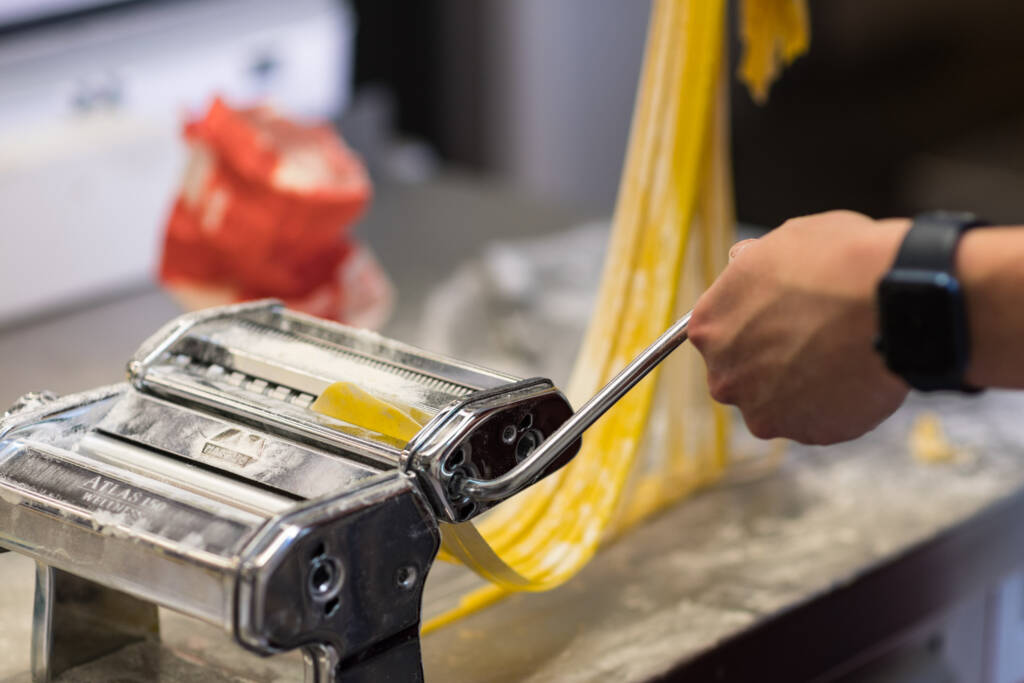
pixel 921 316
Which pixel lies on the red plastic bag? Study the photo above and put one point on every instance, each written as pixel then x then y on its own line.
pixel 264 211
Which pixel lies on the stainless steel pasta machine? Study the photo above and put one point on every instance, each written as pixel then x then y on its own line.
pixel 207 485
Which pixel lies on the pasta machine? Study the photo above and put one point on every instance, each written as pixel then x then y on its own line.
pixel 206 484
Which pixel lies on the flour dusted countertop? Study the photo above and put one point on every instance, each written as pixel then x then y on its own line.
pixel 793 572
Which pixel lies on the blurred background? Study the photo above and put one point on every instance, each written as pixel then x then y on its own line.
pixel 478 120
pixel 898 107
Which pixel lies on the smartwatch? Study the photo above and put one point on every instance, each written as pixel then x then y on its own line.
pixel 922 319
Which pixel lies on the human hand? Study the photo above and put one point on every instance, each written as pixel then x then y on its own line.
pixel 787 330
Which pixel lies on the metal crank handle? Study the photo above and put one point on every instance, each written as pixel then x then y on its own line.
pixel 523 474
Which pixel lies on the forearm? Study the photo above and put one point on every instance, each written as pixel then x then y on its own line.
pixel 990 267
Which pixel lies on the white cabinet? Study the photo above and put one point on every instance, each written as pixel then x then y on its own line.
pixel 90 120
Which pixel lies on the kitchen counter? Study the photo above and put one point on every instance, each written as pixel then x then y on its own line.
pixel 795 569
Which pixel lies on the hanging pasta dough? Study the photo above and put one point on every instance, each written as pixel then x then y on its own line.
pixel 671 231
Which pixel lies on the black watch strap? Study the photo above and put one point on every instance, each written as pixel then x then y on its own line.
pixel 930 248
pixel 931 242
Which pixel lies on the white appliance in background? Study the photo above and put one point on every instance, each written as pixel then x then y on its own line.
pixel 90 127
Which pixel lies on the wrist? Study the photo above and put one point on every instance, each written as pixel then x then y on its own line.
pixel 970 267
pixel 890 235
pixel 988 266
pixel 892 232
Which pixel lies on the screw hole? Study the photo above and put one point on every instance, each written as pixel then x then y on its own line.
pixel 527 443
pixel 406 577
pixel 508 434
pixel 321 578
pixel 324 577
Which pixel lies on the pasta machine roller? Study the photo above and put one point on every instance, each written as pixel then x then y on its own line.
pixel 206 484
